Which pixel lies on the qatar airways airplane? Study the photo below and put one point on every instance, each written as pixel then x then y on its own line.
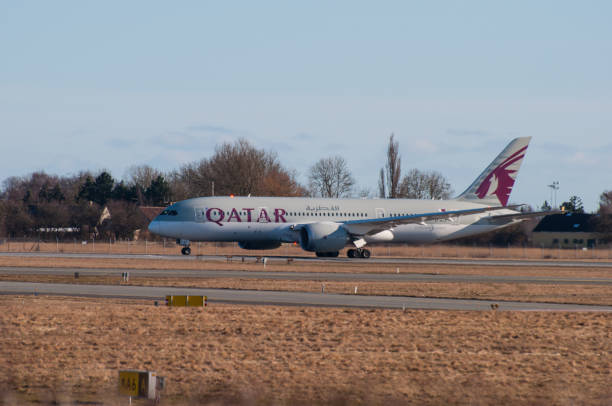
pixel 326 226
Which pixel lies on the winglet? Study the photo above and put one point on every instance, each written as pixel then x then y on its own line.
pixel 495 183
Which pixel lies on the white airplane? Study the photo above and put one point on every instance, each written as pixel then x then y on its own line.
pixel 325 226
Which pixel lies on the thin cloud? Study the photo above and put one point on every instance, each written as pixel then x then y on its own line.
pixel 215 129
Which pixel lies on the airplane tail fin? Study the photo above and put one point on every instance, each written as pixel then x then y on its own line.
pixel 494 184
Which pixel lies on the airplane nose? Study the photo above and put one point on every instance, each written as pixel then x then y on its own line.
pixel 154 227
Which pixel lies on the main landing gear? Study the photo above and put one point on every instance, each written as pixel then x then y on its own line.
pixel 358 253
pixel 332 254
pixel 186 251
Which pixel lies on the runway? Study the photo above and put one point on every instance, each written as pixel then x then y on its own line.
pixel 309 276
pixel 284 298
pixel 374 260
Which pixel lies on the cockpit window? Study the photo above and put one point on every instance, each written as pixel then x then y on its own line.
pixel 169 213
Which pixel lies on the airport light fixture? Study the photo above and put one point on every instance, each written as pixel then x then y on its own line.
pixel 554 187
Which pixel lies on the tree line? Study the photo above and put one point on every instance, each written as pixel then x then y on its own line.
pixel 40 202
pixel 43 203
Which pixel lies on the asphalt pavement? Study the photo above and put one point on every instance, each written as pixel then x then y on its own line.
pixel 284 298
pixel 372 260
pixel 309 276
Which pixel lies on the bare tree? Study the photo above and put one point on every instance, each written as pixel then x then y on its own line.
pixel 364 192
pixel 381 184
pixel 413 185
pixel 330 177
pixel 392 169
pixel 281 182
pixel 438 187
pixel 605 203
pixel 235 168
pixel 2 218
pixel 604 219
pixel 424 185
pixel 142 176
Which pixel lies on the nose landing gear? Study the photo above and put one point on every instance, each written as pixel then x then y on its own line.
pixel 358 253
pixel 186 250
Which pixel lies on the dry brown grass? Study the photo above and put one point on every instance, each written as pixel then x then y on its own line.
pixel 579 294
pixel 404 251
pixel 57 348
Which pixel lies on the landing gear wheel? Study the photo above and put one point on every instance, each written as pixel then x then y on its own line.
pixel 358 253
pixel 186 251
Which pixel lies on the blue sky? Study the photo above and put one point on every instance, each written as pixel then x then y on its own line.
pixel 109 85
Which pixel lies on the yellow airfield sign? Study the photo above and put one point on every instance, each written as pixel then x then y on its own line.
pixel 192 301
pixel 137 383
pixel 129 383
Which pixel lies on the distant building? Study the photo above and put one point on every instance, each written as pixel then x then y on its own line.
pixel 570 230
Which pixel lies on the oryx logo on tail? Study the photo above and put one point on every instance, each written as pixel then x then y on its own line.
pixel 500 181
pixel 495 183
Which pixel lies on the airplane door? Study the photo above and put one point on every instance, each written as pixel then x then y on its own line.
pixel 380 213
pixel 200 214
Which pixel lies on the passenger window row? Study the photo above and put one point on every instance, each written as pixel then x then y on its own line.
pixel 327 214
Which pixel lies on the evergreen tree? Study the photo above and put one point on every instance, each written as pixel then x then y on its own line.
pixel 104 188
pixel 57 194
pixel 87 190
pixel 158 194
pixel 574 205
pixel 98 191
pixel 126 193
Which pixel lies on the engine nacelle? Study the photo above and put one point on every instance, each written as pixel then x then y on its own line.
pixel 323 237
pixel 259 245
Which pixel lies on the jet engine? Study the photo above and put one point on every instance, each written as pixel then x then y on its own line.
pixel 323 237
pixel 259 245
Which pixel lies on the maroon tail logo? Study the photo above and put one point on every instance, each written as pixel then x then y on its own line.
pixel 500 181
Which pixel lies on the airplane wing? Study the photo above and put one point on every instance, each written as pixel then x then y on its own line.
pixel 520 216
pixel 373 226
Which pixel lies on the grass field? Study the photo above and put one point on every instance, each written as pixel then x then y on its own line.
pixel 56 350
pixel 62 350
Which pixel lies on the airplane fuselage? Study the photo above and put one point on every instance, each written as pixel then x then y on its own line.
pixel 326 226
pixel 258 219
